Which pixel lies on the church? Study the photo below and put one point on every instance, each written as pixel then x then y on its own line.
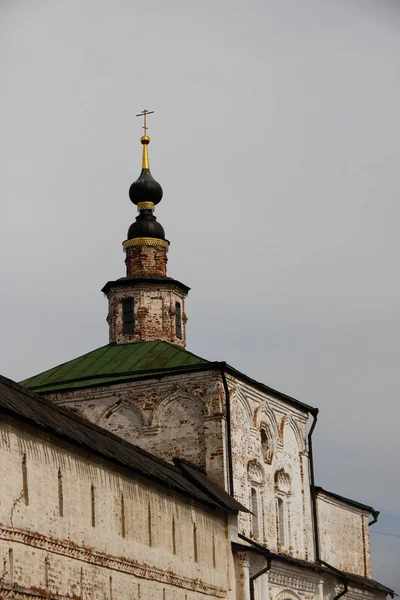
pixel 143 471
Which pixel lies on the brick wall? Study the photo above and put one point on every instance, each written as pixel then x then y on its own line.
pixel 146 260
pixel 344 535
pixel 272 467
pixel 71 525
pixel 179 415
pixel 154 313
pixel 184 415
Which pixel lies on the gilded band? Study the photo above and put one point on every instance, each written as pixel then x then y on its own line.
pixel 145 241
pixel 145 205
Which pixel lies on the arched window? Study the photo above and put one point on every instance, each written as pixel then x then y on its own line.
pixel 267 443
pixel 264 441
pixel 283 487
pixel 255 526
pixel 281 522
pixel 256 480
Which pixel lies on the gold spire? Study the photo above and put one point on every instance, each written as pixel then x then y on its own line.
pixel 145 156
pixel 145 138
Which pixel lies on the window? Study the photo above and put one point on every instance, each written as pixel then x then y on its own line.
pixel 267 444
pixel 92 506
pixel 128 322
pixel 122 516
pixel 254 510
pixel 149 528
pixel 195 548
pixel 256 482
pixel 60 494
pixel 173 535
pixel 283 493
pixel 25 480
pixel 281 522
pixel 178 320
pixel 11 567
pixel 214 554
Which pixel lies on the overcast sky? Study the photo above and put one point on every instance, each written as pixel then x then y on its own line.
pixel 276 138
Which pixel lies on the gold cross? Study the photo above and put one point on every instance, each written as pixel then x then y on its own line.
pixel 144 114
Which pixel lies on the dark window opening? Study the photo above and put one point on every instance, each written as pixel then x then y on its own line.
pixel 25 480
pixel 264 441
pixel 149 526
pixel 281 522
pixel 93 507
pixel 195 548
pixel 178 320
pixel 128 322
pixel 254 510
pixel 122 516
pixel 60 494
pixel 173 535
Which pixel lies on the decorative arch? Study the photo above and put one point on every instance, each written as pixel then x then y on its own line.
pixel 287 595
pixel 244 404
pixel 265 422
pixel 177 395
pixel 268 442
pixel 265 414
pixel 283 481
pixel 288 421
pixel 179 421
pixel 118 405
pixel 124 419
pixel 255 472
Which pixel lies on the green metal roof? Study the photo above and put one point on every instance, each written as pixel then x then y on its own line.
pixel 115 362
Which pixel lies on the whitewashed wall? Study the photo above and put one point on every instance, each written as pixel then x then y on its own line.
pixel 344 535
pixel 61 537
pixel 185 416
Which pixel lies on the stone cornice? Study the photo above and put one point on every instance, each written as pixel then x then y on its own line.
pixel 288 578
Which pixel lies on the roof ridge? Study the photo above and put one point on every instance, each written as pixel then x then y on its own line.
pixel 187 351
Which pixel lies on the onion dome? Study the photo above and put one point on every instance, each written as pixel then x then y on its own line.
pixel 145 192
pixel 145 188
pixel 146 225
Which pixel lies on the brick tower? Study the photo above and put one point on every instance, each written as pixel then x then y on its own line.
pixel 146 305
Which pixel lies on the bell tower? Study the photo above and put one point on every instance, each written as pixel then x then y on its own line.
pixel 146 305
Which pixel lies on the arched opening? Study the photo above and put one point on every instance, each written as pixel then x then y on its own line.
pixel 283 493
pixel 254 509
pixel 281 522
pixel 267 443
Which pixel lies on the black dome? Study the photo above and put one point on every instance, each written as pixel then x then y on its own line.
pixel 146 225
pixel 145 189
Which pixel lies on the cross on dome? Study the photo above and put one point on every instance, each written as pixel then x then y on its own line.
pixel 144 114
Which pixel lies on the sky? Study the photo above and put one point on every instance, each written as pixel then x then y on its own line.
pixel 276 138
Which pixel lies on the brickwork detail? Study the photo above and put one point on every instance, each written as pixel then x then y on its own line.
pixel 344 536
pixel 146 260
pixel 133 567
pixel 286 578
pixel 154 309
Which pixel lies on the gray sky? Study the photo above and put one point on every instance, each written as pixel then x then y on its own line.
pixel 276 138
